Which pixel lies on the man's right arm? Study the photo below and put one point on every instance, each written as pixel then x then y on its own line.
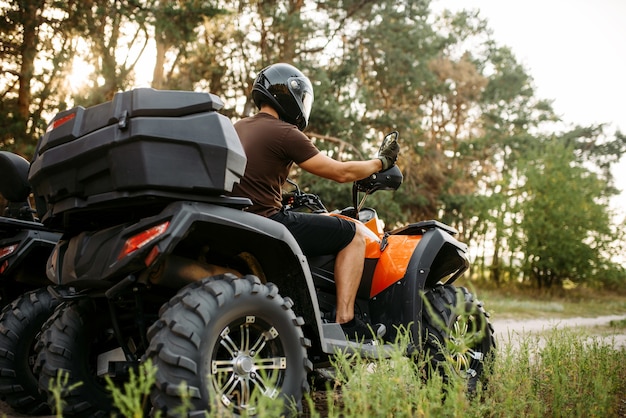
pixel 340 171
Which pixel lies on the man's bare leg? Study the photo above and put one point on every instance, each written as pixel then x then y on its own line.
pixel 348 272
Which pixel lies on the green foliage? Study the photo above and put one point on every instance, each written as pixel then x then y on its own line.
pixel 620 324
pixel 392 386
pixel 565 225
pixel 132 402
pixel 465 107
pixel 116 34
pixel 564 373
pixel 59 388
pixel 524 302
pixel 558 373
pixel 537 376
pixel 36 47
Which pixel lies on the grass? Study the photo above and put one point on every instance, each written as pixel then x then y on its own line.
pixel 563 373
pixel 555 373
pixel 619 324
pixel 512 303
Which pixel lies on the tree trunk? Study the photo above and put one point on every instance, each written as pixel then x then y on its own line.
pixel 28 51
pixel 157 75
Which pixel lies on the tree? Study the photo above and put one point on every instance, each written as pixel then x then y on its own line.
pixel 178 26
pixel 36 47
pixel 116 34
pixel 376 81
pixel 566 226
pixel 470 123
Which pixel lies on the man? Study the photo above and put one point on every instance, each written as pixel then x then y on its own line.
pixel 273 141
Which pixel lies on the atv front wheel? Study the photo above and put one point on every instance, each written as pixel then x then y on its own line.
pixel 457 334
pixel 20 322
pixel 229 340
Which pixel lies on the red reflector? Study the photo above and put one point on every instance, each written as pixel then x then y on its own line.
pixel 138 241
pixel 9 249
pixel 4 266
pixel 55 124
pixel 152 255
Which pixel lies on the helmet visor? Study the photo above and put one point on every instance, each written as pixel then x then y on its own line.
pixel 307 104
pixel 302 90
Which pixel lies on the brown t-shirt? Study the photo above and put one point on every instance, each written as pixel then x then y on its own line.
pixel 271 146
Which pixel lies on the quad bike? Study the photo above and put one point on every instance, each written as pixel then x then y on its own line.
pixel 159 263
pixel 25 246
pixel 422 258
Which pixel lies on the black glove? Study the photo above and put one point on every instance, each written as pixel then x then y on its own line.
pixel 388 152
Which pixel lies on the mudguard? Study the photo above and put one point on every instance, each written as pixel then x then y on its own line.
pixel 437 257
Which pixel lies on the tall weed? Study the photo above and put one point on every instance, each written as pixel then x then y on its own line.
pixel 562 373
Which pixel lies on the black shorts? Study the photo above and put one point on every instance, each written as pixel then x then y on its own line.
pixel 317 234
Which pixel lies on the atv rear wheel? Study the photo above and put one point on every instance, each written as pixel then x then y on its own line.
pixel 71 341
pixel 20 322
pixel 228 340
pixel 457 334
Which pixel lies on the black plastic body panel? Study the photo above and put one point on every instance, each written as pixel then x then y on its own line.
pixel 89 260
pixel 24 268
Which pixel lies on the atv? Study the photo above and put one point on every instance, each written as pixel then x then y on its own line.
pixel 158 263
pixel 25 245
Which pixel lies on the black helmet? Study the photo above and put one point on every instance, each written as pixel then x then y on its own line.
pixel 287 90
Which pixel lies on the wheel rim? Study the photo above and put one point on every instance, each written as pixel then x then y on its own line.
pixel 464 344
pixel 249 360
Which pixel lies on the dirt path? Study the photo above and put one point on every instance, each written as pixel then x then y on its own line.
pixel 511 330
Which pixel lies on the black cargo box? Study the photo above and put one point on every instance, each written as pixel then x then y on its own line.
pixel 131 156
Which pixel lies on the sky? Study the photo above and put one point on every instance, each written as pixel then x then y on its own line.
pixel 575 50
